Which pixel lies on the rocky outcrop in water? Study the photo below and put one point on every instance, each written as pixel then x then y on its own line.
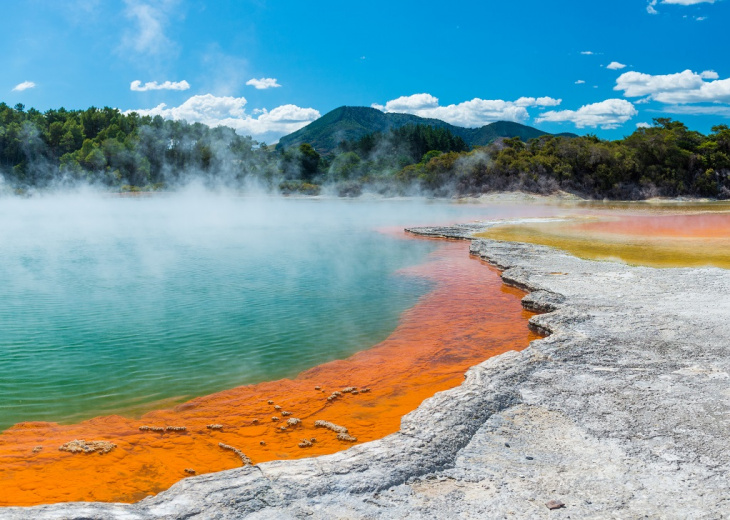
pixel 622 412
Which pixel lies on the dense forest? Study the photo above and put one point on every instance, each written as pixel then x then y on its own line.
pixel 107 148
pixel 126 152
pixel 666 159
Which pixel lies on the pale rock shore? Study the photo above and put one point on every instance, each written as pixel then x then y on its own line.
pixel 622 412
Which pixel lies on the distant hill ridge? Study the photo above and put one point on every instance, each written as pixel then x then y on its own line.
pixel 349 123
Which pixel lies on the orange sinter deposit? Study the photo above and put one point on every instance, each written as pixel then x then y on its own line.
pixel 468 317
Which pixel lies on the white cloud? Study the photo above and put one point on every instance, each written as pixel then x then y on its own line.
pixel 20 87
pixel 147 36
pixel 538 102
pixel 263 83
pixel 643 125
pixel 415 102
pixel 607 114
pixel 230 111
pixel 614 65
pixel 137 85
pixel 580 82
pixel 651 6
pixel 474 113
pixel 682 87
pixel 688 2
pixel 587 53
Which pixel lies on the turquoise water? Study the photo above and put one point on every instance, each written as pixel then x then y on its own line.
pixel 117 305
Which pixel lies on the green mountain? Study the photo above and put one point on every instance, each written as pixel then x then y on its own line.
pixel 349 123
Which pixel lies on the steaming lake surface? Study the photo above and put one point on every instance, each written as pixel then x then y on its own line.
pixel 119 305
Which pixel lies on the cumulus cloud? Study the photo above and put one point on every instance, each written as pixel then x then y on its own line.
pixel 263 83
pixel 149 21
pixel 614 65
pixel 680 88
pixel 409 103
pixel 20 87
pixel 607 114
pixel 230 111
pixel 651 5
pixel 137 85
pixel 587 53
pixel 643 125
pixel 580 82
pixel 474 113
pixel 538 102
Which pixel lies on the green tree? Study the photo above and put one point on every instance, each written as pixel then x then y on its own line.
pixel 308 161
pixel 95 159
pixel 345 166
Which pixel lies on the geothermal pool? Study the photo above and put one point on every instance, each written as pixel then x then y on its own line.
pixel 113 308
pixel 125 305
pixel 113 305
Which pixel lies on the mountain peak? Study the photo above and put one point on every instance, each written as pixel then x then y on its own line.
pixel 352 122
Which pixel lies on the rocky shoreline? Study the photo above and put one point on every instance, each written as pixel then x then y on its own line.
pixel 622 412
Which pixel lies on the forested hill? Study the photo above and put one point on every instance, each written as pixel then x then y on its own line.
pixel 352 123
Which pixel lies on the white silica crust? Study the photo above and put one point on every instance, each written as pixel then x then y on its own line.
pixel 622 412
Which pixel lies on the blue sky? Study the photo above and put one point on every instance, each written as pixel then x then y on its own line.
pixel 267 68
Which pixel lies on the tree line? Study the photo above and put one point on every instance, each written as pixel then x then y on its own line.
pixel 119 151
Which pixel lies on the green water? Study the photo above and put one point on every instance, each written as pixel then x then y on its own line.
pixel 111 305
